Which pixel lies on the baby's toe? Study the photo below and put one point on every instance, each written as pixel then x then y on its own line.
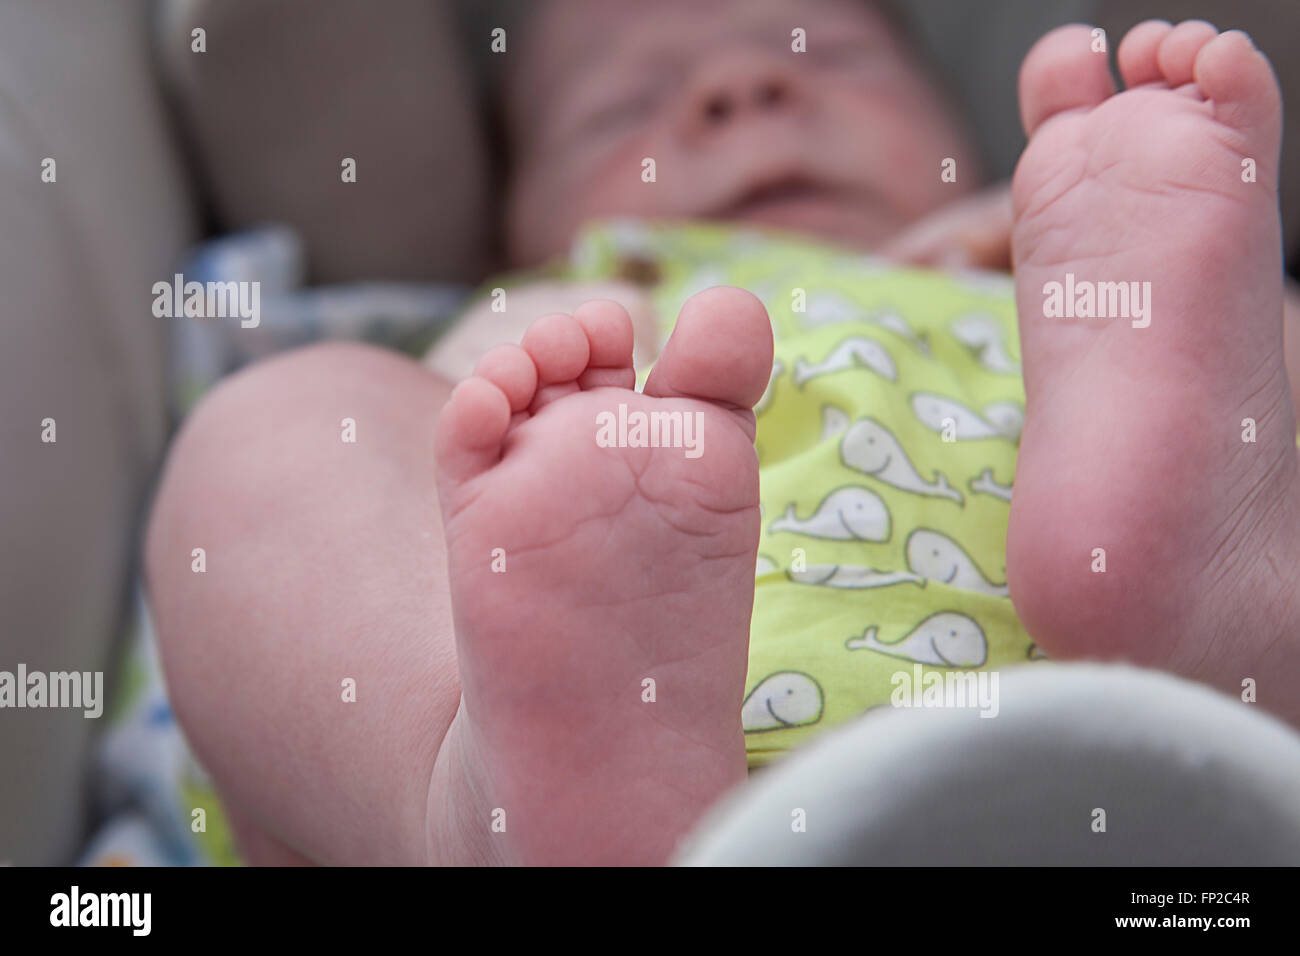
pixel 470 429
pixel 1064 71
pixel 610 339
pixel 558 346
pixel 720 350
pixel 510 369
pixel 1137 53
pixel 1239 80
pixel 1177 52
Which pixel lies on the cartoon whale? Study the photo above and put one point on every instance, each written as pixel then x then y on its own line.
pixel 1007 417
pixel 831 309
pixel 983 335
pixel 835 420
pixel 898 325
pixel 827 308
pixel 846 514
pixel 934 411
pixel 766 400
pixel 985 485
pixel 871 448
pixel 784 699
pixel 939 558
pixel 851 577
pixel 946 639
pixel 854 352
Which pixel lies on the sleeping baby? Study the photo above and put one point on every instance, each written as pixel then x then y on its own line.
pixel 751 470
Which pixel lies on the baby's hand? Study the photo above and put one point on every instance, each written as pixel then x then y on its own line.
pixel 973 232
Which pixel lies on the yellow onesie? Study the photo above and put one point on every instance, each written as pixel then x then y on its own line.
pixel 886 445
pixel 887 448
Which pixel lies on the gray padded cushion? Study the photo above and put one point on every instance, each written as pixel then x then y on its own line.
pixel 1186 776
pixel 288 88
pixel 80 345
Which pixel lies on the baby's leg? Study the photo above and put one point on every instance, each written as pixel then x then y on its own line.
pixel 324 564
pixel 1157 507
pixel 587 708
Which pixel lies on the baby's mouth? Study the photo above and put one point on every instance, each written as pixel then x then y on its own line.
pixel 780 194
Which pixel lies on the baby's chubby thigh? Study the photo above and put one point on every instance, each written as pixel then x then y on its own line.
pixel 310 660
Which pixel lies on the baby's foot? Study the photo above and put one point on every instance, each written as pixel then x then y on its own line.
pixel 1133 444
pixel 581 572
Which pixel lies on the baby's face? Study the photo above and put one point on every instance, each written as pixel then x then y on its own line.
pixel 845 140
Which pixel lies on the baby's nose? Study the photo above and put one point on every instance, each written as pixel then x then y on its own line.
pixel 739 87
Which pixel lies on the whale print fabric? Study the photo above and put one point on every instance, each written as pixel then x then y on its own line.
pixel 887 450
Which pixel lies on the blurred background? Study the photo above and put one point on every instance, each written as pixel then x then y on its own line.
pixel 227 163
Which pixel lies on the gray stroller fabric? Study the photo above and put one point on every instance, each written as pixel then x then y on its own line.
pixel 1083 764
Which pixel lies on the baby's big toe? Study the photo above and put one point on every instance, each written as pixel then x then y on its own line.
pixel 1065 70
pixel 720 350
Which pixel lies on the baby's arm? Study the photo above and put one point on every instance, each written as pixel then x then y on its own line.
pixel 973 232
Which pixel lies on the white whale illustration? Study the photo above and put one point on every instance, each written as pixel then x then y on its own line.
pixel 939 558
pixel 985 485
pixel 899 326
pixel 764 565
pixel 766 400
pixel 982 334
pixel 827 308
pixel 831 309
pixel 851 577
pixel 784 699
pixel 846 514
pixel 872 449
pixel 835 421
pixel 933 411
pixel 855 352
pixel 1007 417
pixel 946 639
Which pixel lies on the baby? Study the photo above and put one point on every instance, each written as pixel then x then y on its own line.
pixel 480 632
